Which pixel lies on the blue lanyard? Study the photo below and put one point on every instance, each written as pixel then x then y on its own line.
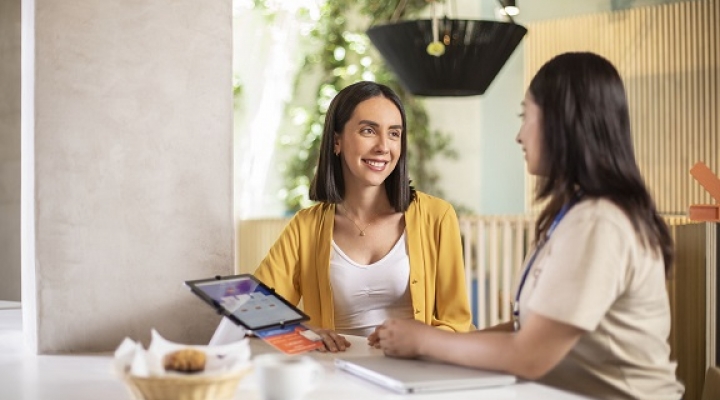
pixel 560 215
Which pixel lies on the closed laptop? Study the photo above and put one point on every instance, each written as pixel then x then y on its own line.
pixel 413 376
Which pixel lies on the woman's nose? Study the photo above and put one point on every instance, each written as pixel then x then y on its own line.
pixel 381 146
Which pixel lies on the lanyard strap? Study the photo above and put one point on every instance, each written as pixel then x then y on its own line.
pixel 560 215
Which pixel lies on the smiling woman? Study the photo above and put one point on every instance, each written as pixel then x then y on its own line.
pixel 342 54
pixel 369 144
pixel 376 256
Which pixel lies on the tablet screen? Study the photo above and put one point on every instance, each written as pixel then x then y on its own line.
pixel 247 301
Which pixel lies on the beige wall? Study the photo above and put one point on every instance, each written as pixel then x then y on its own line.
pixel 10 150
pixel 127 156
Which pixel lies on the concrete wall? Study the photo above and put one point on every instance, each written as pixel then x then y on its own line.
pixel 10 150
pixel 127 169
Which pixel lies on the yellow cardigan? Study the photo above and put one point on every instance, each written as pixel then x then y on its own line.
pixel 298 264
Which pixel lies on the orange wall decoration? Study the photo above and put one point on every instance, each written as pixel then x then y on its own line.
pixel 707 179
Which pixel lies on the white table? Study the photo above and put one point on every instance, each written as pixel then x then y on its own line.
pixel 25 376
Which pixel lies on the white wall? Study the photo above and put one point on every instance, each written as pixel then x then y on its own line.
pixel 488 176
pixel 502 172
pixel 10 150
pixel 127 169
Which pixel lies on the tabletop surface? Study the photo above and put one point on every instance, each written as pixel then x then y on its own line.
pixel 78 377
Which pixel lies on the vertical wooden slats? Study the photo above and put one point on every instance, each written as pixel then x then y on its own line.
pixel 688 340
pixel 711 289
pixel 465 231
pixel 712 108
pixel 481 278
pixel 507 268
pixel 668 57
pixel 256 237
pixel 493 277
pixel 494 249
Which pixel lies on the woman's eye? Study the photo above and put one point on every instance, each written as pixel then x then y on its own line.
pixel 395 134
pixel 367 131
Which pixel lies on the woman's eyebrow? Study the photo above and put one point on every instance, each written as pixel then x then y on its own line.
pixel 376 125
pixel 368 122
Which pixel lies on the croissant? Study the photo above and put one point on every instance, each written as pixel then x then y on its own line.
pixel 185 360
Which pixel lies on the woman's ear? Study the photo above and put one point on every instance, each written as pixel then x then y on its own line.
pixel 336 144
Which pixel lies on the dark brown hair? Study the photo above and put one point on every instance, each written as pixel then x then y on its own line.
pixel 328 184
pixel 588 146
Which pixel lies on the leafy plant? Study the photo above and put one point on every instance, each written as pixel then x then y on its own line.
pixel 344 56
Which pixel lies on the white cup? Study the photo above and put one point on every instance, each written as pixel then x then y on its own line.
pixel 283 377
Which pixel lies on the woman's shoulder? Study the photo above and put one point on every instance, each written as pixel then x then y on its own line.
pixel 315 212
pixel 425 207
pixel 424 200
pixel 600 210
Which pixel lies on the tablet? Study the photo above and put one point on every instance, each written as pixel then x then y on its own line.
pixel 247 302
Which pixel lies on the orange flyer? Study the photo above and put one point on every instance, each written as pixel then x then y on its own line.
pixel 294 339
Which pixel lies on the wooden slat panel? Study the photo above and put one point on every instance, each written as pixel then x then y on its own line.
pixel 712 264
pixel 668 57
pixel 255 237
pixel 494 249
pixel 688 301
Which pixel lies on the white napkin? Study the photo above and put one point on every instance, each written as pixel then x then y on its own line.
pixel 227 332
pixel 131 357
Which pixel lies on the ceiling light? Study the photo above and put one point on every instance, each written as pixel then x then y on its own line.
pixel 446 57
pixel 509 7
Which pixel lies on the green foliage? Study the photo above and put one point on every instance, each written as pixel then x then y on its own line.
pixel 345 55
pixel 237 87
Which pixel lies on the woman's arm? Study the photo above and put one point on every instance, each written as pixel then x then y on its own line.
pixel 452 308
pixel 530 353
pixel 279 268
pixel 374 339
pixel 502 327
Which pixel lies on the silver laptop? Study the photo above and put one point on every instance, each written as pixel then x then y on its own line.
pixel 413 376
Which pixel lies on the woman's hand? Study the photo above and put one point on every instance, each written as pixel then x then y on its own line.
pixel 374 338
pixel 402 337
pixel 333 341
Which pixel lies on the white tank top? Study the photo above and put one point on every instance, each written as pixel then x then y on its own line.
pixel 366 295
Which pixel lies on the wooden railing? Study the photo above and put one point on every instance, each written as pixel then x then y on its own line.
pixel 494 248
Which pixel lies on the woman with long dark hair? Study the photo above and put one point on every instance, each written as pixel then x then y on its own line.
pixel 372 248
pixel 591 312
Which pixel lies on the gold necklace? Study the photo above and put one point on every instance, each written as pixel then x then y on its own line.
pixel 347 215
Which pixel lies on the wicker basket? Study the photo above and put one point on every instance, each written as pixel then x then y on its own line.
pixel 186 387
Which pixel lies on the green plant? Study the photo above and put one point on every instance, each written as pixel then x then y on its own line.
pixel 345 55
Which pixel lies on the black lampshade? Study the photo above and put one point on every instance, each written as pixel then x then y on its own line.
pixel 475 51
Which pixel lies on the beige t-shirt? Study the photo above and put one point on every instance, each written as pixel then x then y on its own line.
pixel 595 274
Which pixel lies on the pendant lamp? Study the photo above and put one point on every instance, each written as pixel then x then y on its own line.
pixel 446 57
